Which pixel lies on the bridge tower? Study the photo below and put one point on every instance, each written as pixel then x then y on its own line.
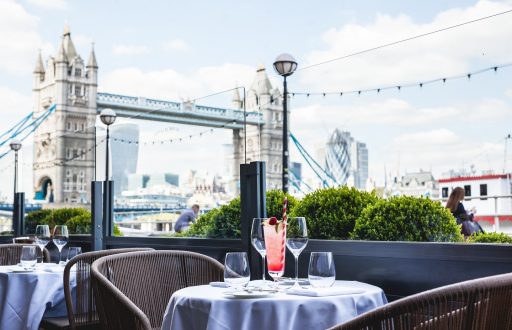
pixel 264 142
pixel 64 143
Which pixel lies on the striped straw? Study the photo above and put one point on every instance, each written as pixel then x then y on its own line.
pixel 285 205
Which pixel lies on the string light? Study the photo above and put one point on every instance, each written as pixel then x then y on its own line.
pixel 399 87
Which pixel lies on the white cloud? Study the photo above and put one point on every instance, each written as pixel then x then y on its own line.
pixel 50 4
pixel 170 84
pixel 509 92
pixel 445 53
pixel 19 38
pixel 15 106
pixel 443 149
pixel 175 45
pixel 130 50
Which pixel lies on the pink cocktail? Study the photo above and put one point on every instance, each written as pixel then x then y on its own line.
pixel 275 244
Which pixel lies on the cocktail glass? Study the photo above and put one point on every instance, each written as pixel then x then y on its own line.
pixel 275 244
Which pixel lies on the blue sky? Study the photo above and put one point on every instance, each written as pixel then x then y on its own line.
pixel 178 50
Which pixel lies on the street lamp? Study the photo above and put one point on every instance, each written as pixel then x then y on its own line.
pixel 108 117
pixel 285 65
pixel 15 146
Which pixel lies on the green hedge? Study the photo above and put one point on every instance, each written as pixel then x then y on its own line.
pixel 407 218
pixel 331 213
pixel 490 238
pixel 78 220
pixel 224 222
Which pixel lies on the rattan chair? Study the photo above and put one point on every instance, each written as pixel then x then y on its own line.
pixel 133 290
pixel 481 304
pixel 81 310
pixel 10 254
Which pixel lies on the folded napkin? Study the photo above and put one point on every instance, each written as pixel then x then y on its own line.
pixel 219 284
pixel 322 292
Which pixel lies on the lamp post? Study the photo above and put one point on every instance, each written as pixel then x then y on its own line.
pixel 108 117
pixel 18 207
pixel 15 146
pixel 285 65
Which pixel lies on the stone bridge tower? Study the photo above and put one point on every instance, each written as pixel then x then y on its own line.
pixel 64 143
pixel 264 143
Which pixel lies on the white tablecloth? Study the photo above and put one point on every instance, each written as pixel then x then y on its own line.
pixel 206 307
pixel 26 297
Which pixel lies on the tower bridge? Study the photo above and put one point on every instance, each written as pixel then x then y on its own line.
pixel 174 112
pixel 71 84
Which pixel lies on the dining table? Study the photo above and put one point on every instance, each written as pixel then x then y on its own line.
pixel 214 307
pixel 26 296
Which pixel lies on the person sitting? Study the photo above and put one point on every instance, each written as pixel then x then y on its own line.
pixel 186 218
pixel 463 217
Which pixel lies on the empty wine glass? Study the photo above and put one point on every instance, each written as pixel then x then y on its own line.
pixel 258 242
pixel 60 238
pixel 322 272
pixel 28 258
pixel 42 238
pixel 73 252
pixel 296 241
pixel 236 270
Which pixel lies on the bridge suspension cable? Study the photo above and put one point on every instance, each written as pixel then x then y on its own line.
pixel 326 178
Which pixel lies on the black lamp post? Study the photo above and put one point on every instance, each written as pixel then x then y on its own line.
pixel 285 65
pixel 18 207
pixel 108 117
pixel 15 146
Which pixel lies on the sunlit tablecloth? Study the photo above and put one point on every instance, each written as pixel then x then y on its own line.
pixel 26 297
pixel 206 307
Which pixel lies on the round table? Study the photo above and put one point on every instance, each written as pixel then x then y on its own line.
pixel 207 307
pixel 25 297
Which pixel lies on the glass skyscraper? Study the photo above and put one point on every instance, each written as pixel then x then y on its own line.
pixel 346 160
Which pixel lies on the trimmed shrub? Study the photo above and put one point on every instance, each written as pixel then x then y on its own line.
pixel 78 220
pixel 407 218
pixel 331 213
pixel 490 238
pixel 274 202
pixel 224 222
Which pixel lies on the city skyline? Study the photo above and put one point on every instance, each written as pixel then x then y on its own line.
pixel 453 125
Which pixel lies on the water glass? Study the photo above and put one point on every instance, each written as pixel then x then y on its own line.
pixel 321 272
pixel 236 270
pixel 28 258
pixel 73 252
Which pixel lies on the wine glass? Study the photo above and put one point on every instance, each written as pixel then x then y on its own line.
pixel 236 270
pixel 274 233
pixel 296 241
pixel 28 258
pixel 321 272
pixel 42 238
pixel 258 242
pixel 60 238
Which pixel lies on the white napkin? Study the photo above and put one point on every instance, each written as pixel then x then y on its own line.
pixel 322 292
pixel 219 284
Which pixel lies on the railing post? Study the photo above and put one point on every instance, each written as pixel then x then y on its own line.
pixel 18 213
pixel 253 205
pixel 97 215
pixel 496 216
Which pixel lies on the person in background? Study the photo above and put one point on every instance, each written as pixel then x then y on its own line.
pixel 463 217
pixel 186 218
pixel 455 205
